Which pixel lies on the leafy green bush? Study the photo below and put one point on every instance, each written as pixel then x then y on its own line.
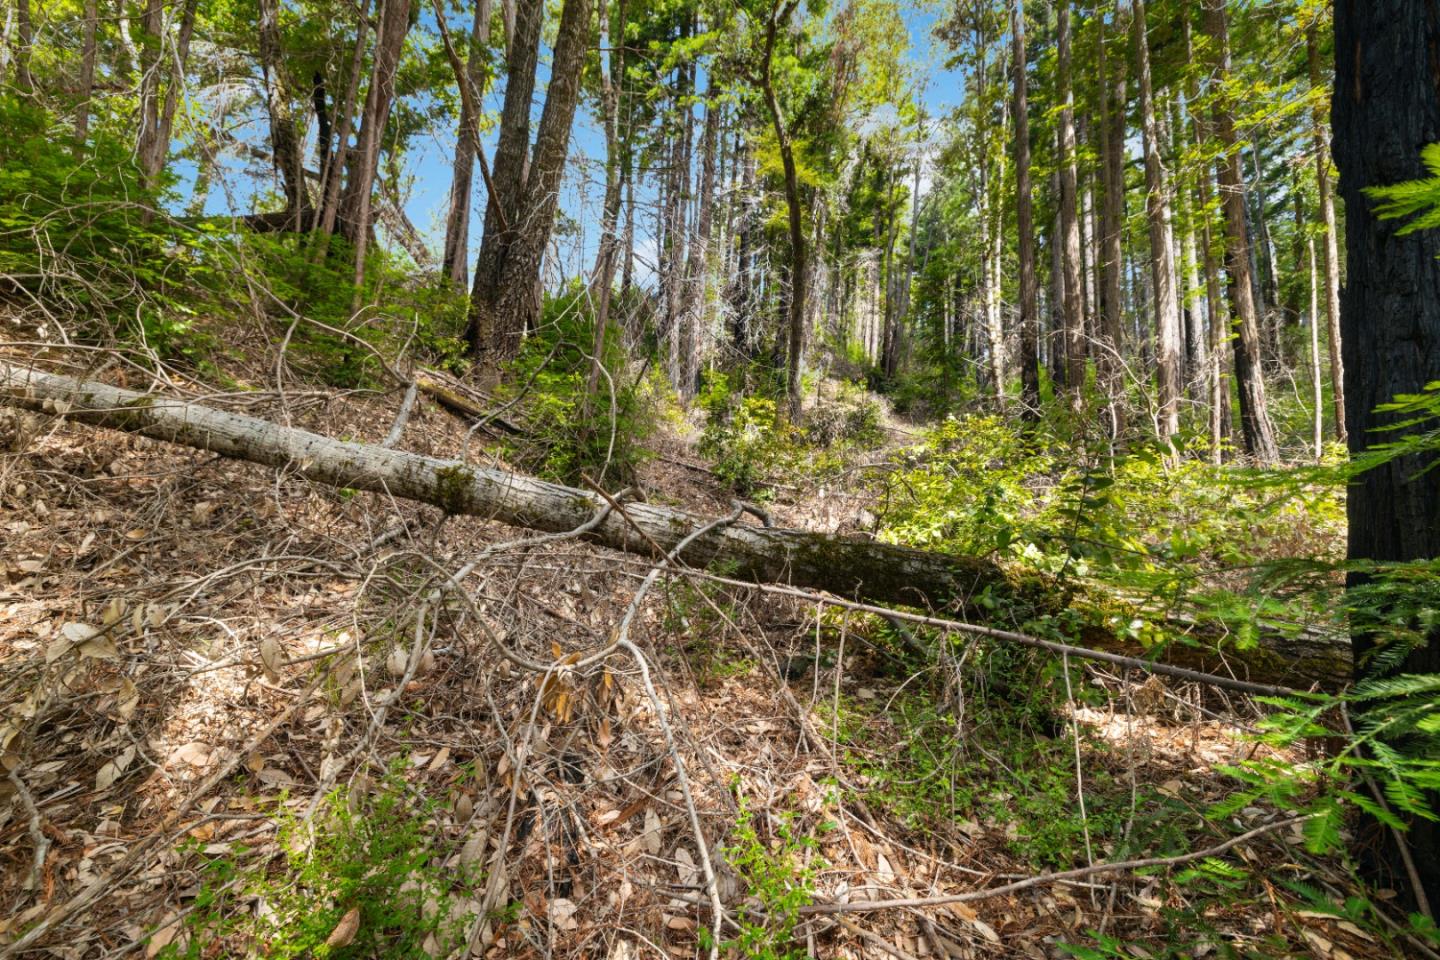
pixel 781 876
pixel 309 301
pixel 371 864
pixel 744 436
pixel 569 434
pixel 80 235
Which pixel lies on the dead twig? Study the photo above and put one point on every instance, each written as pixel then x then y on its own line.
pixel 870 906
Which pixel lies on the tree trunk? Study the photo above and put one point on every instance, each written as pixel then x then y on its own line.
pixel 1162 259
pixel 518 307
pixel 1386 107
pixel 1188 284
pixel 796 339
pixel 389 41
pixel 612 77
pixel 1332 249
pixel 1255 420
pixel 333 173
pixel 848 567
pixel 1025 224
pixel 1112 227
pixel 1073 312
pixel 693 308
pixel 285 138
pixel 487 339
pixel 454 261
pixel 1217 381
pixel 87 72
pixel 157 117
pixel 25 41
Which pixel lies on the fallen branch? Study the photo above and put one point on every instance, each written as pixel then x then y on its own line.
pixel 842 566
pixel 462 406
pixel 1062 876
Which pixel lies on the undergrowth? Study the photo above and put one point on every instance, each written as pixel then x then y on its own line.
pixel 364 878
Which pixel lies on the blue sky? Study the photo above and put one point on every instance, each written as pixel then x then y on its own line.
pixel 428 163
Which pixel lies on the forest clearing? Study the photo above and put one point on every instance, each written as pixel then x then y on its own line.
pixel 627 479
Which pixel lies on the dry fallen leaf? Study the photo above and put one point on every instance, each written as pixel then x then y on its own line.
pixel 651 835
pixel 126 700
pixel 345 930
pixel 271 658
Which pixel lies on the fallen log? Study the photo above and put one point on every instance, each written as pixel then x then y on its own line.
pixel 846 566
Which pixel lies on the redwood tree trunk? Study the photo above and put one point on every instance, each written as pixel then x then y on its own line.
pixel 1162 248
pixel 1386 107
pixel 1025 225
pixel 1255 420
pixel 1073 310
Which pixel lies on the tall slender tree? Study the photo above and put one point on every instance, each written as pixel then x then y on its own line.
pixel 1025 221
pixel 1331 239
pixel 1254 417
pixel 1162 241
pixel 1073 304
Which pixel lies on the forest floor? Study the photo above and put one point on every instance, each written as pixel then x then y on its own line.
pixel 210 673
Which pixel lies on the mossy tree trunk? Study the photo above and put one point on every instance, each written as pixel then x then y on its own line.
pixel 845 566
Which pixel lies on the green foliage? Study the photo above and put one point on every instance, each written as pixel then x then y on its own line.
pixel 375 854
pixel 1414 198
pixel 308 300
pixel 781 875
pixel 80 235
pixel 750 443
pixel 570 433
pixel 744 436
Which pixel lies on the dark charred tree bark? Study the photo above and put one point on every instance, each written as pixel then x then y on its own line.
pixel 1386 107
pixel 1255 421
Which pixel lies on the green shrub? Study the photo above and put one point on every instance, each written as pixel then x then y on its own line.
pixel 80 235
pixel 570 435
pixel 374 855
pixel 781 875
